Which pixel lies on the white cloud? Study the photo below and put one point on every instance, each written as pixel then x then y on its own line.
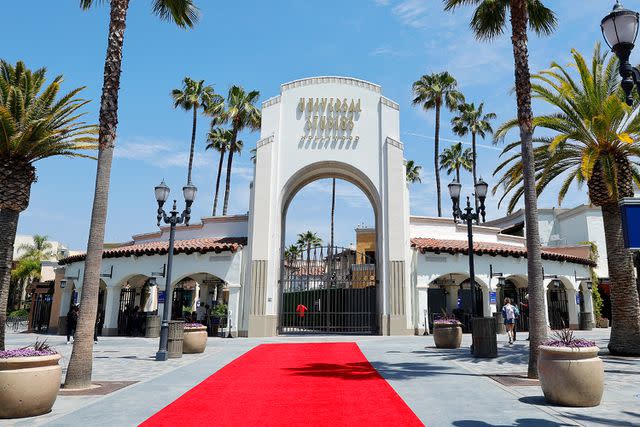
pixel 388 50
pixel 381 2
pixel 158 152
pixel 412 13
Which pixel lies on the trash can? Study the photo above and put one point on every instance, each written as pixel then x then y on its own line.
pixel 152 327
pixel 500 329
pixel 485 343
pixel 584 321
pixel 176 332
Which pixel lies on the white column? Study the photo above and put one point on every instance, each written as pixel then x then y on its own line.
pixel 111 311
pixel 234 307
pixel 572 307
pixel 545 283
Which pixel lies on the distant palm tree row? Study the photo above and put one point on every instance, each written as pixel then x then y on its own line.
pixel 229 117
pixel 437 90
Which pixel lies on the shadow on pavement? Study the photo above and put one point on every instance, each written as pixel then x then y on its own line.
pixel 522 422
pixel 606 421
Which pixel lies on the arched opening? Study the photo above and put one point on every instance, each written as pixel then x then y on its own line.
pixel 450 296
pixel 557 305
pixel 201 297
pixel 515 288
pixel 134 295
pixel 329 252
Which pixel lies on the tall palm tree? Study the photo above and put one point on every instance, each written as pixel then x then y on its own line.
pixel 307 241
pixel 333 213
pixel 454 158
pixel 433 91
pixel 30 263
pixel 472 120
pixel 36 122
pixel 412 171
pixel 241 113
pixel 184 14
pixel 219 140
pixel 193 95
pixel 490 21
pixel 596 140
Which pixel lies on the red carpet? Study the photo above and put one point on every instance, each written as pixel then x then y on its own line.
pixel 291 385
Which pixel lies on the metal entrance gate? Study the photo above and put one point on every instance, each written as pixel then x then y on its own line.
pixel 328 291
pixel 558 309
pixel 126 316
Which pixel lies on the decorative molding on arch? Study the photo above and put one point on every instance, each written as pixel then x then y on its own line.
pixel 389 103
pixel 331 79
pixel 395 143
pixel 265 141
pixel 271 101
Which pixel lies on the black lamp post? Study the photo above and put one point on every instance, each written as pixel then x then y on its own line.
pixel 469 216
pixel 174 218
pixel 620 30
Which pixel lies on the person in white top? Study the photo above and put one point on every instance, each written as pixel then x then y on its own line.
pixel 509 316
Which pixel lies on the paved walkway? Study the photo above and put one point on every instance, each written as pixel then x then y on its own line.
pixel 443 387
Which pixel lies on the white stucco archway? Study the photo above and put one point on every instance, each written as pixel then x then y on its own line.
pixel 328 127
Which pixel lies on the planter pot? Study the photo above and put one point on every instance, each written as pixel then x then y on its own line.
pixel 571 376
pixel 603 323
pixel 195 340
pixel 28 385
pixel 447 336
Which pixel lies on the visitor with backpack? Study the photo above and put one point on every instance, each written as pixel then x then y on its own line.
pixel 509 316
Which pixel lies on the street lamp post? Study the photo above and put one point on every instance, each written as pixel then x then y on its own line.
pixel 620 30
pixel 174 218
pixel 469 216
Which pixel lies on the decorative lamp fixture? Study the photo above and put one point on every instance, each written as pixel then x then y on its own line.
pixel 162 193
pixel 63 284
pixel 189 192
pixel 620 30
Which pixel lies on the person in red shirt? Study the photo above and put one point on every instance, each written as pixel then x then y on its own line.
pixel 300 309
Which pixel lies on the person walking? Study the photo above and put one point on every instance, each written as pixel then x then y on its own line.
pixel 72 322
pixel 509 316
pixel 97 327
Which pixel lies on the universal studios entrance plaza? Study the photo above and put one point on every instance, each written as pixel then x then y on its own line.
pixel 403 272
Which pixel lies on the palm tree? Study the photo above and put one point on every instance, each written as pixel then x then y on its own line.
pixel 219 140
pixel 242 113
pixel 412 171
pixel 454 158
pixel 307 241
pixel 36 122
pixel 488 22
pixel 30 263
pixel 472 120
pixel 184 14
pixel 433 91
pixel 597 141
pixel 292 252
pixel 333 213
pixel 193 95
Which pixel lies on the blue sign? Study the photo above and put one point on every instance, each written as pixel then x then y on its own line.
pixel 160 297
pixel 630 210
pixel 492 297
pixel 577 298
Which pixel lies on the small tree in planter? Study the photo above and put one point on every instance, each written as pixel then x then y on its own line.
pixel 218 313
pixel 570 371
pixel 194 338
pixel 29 380
pixel 447 332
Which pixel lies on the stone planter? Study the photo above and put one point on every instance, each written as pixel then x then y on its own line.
pixel 194 340
pixel 571 376
pixel 29 385
pixel 603 323
pixel 447 335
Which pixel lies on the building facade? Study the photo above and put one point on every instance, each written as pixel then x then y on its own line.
pixel 415 268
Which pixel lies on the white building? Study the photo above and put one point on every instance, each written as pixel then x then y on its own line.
pixel 326 127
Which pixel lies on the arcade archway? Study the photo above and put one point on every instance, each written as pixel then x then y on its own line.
pixel 328 273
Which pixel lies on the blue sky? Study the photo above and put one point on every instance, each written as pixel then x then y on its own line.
pixel 260 45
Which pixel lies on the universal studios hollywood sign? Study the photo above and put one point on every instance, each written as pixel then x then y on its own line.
pixel 329 119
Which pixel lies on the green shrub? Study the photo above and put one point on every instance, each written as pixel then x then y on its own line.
pixel 19 313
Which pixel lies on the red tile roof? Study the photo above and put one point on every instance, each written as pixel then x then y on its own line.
pixel 486 248
pixel 203 245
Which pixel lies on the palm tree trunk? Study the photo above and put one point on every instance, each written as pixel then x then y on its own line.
pixel 436 153
pixel 473 167
pixel 193 142
pixel 537 322
pixel 227 189
pixel 81 361
pixel 215 198
pixel 625 309
pixel 333 210
pixel 458 173
pixel 8 228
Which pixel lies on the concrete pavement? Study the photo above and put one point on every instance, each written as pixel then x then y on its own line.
pixel 443 387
